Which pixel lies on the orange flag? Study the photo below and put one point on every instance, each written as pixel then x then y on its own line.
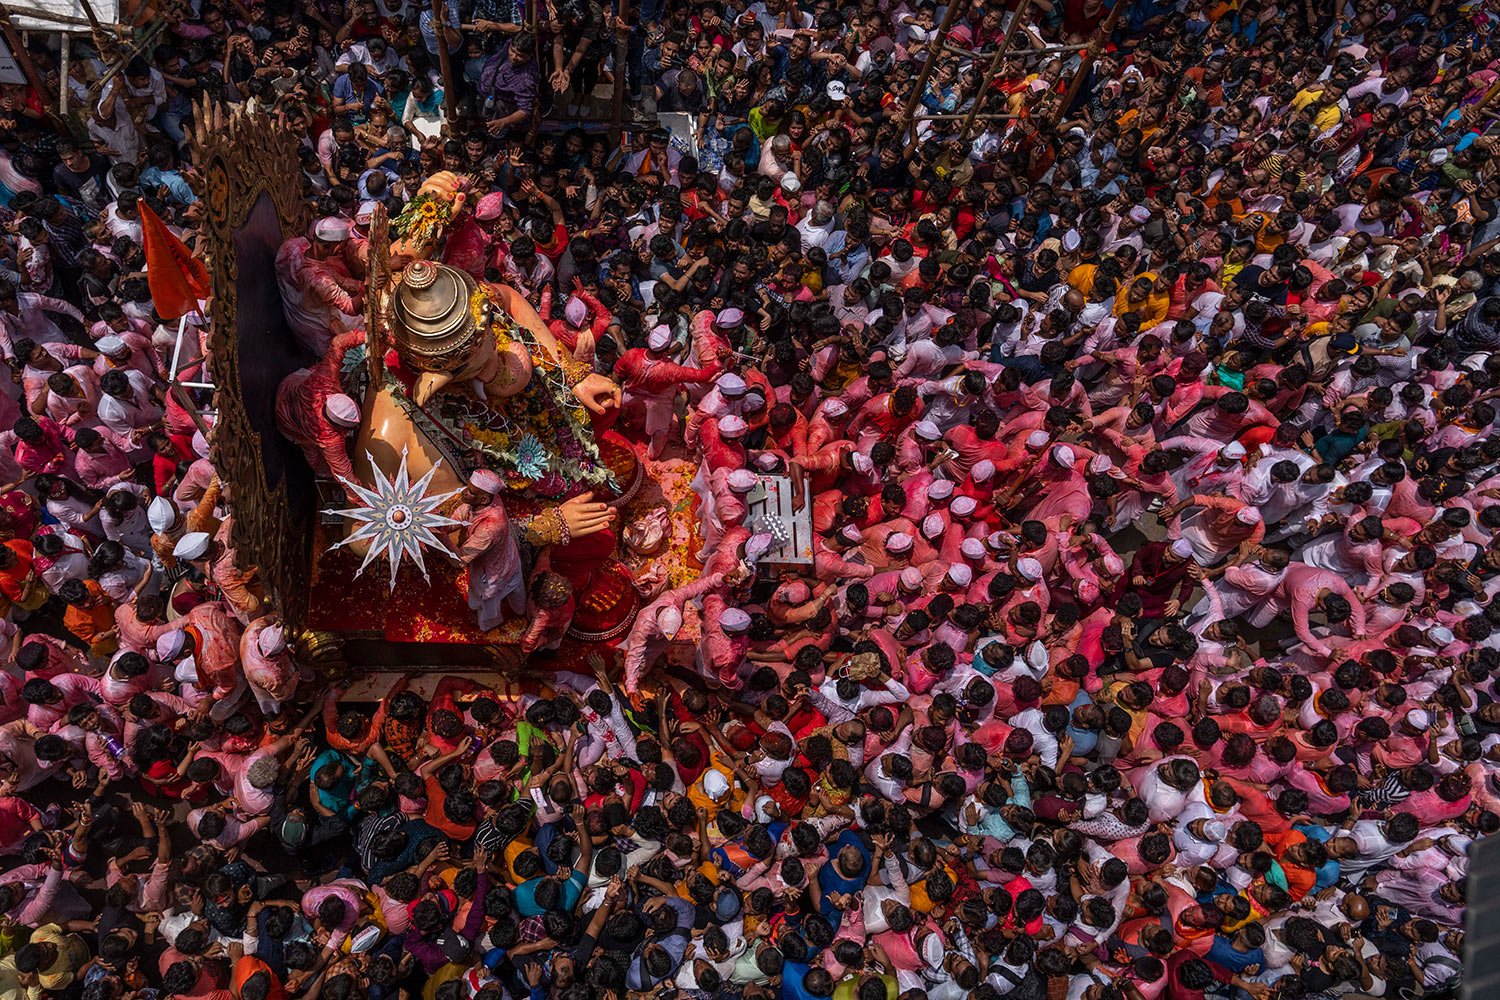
pixel 177 278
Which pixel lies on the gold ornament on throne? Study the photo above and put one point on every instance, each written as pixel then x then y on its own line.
pixel 249 183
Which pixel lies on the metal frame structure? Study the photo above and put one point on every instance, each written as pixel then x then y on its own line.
pixel 938 43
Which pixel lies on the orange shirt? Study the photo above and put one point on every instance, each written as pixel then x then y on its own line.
pixel 88 622
pixel 248 966
pixel 13 580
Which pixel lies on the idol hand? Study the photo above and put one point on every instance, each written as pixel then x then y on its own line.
pixel 585 516
pixel 598 394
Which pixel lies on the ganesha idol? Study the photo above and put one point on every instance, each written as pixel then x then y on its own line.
pixel 474 379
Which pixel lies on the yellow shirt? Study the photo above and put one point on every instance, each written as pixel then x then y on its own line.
pixel 1305 97
pixel 1082 277
pixel 514 850
pixel 735 798
pixel 1151 311
pixel 920 901
pixel 72 955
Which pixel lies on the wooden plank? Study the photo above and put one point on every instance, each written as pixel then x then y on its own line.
pixel 773 500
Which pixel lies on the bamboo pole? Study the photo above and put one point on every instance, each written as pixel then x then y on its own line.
pixel 47 15
pixel 967 117
pixel 445 61
pixel 147 39
pixel 993 67
pixel 1048 50
pixel 23 58
pixel 1472 112
pixel 93 18
pixel 933 45
pixel 1086 65
pixel 622 56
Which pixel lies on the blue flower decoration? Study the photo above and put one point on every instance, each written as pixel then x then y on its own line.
pixel 531 458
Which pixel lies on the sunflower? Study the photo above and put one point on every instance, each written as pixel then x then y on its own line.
pixel 429 210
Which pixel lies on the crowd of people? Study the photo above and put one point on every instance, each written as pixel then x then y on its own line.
pixel 1147 427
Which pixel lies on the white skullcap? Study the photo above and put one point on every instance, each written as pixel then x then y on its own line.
pixel 1030 568
pixel 1419 719
pixel 995 540
pixel 715 785
pixel 851 534
pixel 1182 548
pixel 1071 240
pixel 732 426
pixel 193 545
pixel 1440 635
pixel 1063 455
pixel 110 345
pixel 927 430
pixel 1233 451
pixel 1248 515
pixel 1087 590
pixel 898 541
pixel 1100 463
pixel 1140 214
pixel 200 444
pixel 972 548
pixel 789 183
pixel 169 645
pixel 487 481
pixel 911 578
pixel 960 574
pixel 939 489
pixel 983 471
pixel 933 951
pixel 755 399
pixel 365 212
pixel 767 461
pixel 896 352
pixel 795 592
pixel 835 408
pixel 742 480
pixel 1214 831
pixel 728 319
pixel 575 312
pixel 669 620
pixel 734 620
pixel 862 463
pixel 162 514
pixel 1037 440
pixel 731 386
pixel 342 410
pixel 758 544
pixel 932 525
pixel 331 230
pixel 963 506
pixel 660 337
pixel 272 640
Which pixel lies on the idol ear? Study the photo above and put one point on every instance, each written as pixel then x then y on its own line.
pixel 428 384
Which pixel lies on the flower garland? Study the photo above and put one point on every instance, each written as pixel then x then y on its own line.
pixel 422 220
pixel 542 436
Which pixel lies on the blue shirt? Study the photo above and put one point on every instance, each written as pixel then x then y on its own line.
pixel 1084 740
pixel 526 904
pixel 343 91
pixel 429 34
pixel 338 799
pixel 172 181
pixel 1225 954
